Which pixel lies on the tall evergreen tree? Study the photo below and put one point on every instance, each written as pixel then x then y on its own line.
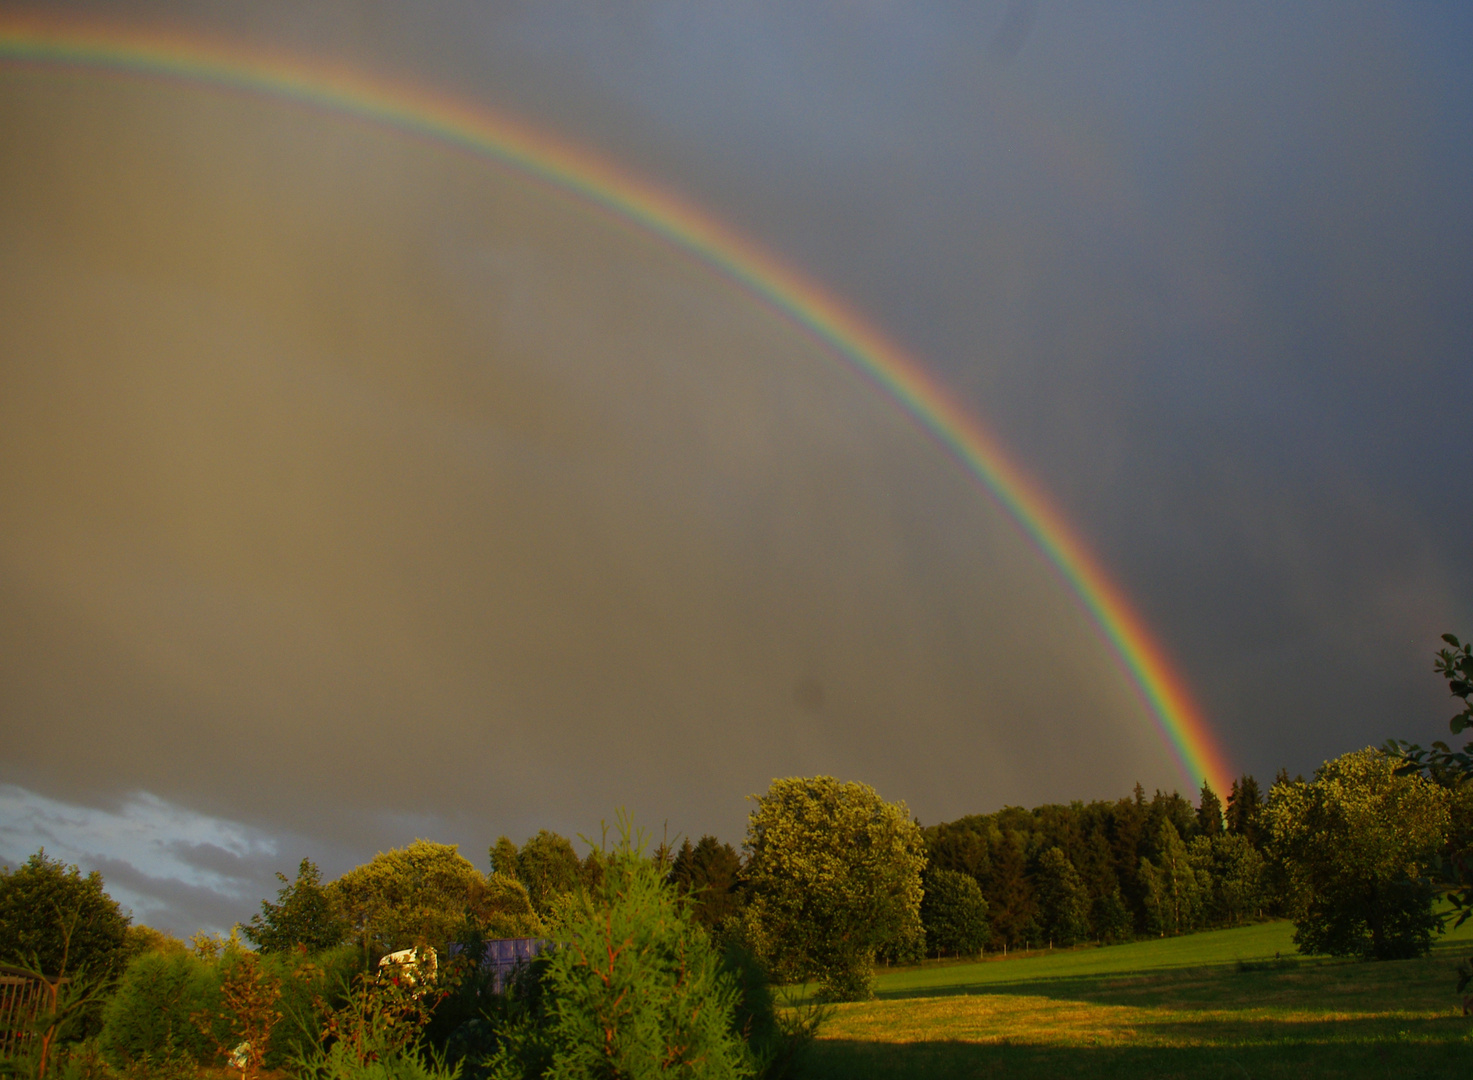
pixel 1009 894
pixel 953 913
pixel 709 872
pixel 1244 810
pixel 1209 812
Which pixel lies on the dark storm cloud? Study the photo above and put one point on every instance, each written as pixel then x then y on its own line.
pixel 1205 270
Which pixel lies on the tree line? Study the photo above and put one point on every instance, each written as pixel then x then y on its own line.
pixel 830 879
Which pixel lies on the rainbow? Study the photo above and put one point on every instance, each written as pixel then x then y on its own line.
pixel 51 43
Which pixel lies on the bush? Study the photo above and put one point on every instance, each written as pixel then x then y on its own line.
pixel 372 1034
pixel 634 988
pixel 150 1014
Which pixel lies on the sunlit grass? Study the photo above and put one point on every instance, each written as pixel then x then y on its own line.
pixel 1206 1005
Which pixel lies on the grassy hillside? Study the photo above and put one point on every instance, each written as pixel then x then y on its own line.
pixel 1204 1006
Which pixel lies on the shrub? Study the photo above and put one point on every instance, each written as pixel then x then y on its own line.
pixel 149 1016
pixel 634 988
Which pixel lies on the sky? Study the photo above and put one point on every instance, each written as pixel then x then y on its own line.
pixel 354 490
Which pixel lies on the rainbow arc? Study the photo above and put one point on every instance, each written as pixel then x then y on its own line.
pixel 503 140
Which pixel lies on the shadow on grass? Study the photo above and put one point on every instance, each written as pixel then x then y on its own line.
pixel 1296 1055
pixel 1287 981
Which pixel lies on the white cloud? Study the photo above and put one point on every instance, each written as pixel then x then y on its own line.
pixel 165 852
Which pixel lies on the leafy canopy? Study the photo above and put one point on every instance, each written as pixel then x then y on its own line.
pixel 303 915
pixel 1356 843
pixel 834 873
pixel 953 913
pixel 55 918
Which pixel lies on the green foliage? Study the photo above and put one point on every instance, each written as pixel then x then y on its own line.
pixel 1355 844
pixel 410 896
pixel 142 939
pixel 1109 918
pixel 835 873
pixel 1209 812
pixel 149 1015
pixel 67 1005
pixel 633 989
pixel 1245 810
pixel 1453 770
pixel 370 1033
pixel 247 1014
pixel 954 913
pixel 1062 900
pixel 506 911
pixel 54 918
pixel 1174 890
pixel 504 857
pixel 302 916
pixel 549 868
pixel 1235 875
pixel 709 874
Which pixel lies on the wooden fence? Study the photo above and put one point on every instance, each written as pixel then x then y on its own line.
pixel 22 995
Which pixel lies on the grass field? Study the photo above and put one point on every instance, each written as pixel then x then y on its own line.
pixel 1218 1004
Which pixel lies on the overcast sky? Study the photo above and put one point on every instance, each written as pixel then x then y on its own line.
pixel 352 490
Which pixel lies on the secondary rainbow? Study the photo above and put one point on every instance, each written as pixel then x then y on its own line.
pixel 27 40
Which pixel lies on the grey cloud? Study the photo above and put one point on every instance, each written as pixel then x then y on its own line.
pixel 1203 270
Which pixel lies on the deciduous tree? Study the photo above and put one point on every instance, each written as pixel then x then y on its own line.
pixel 954 913
pixel 1355 843
pixel 415 895
pixel 835 872
pixel 53 915
pixel 1063 902
pixel 303 915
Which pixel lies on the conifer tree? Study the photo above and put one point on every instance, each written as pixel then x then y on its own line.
pixel 1209 812
pixel 708 872
pixel 1244 810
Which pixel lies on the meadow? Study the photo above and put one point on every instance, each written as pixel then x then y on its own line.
pixel 1229 1003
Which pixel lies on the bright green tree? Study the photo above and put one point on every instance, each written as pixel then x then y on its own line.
pixel 416 895
pixel 549 867
pixel 1236 876
pixel 1063 901
pixel 1356 843
pixel 1175 891
pixel 634 988
pixel 303 915
pixel 53 915
pixel 504 857
pixel 834 873
pixel 954 913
